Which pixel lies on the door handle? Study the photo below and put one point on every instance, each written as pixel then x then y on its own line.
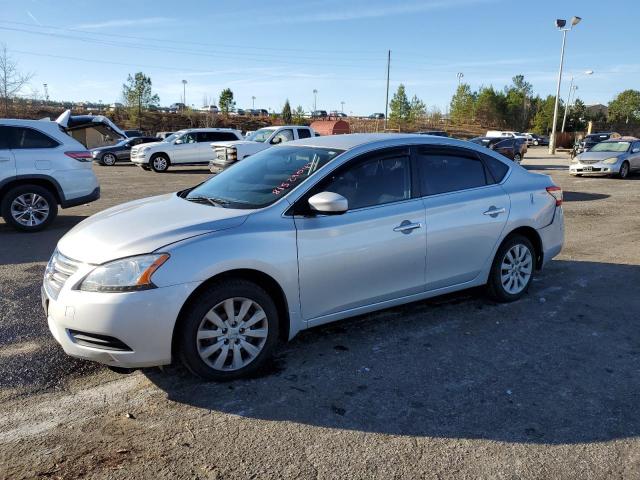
pixel 4 159
pixel 494 211
pixel 406 227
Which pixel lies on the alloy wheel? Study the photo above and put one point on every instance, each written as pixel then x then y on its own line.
pixel 232 334
pixel 30 209
pixel 516 269
pixel 160 164
pixel 109 159
pixel 624 170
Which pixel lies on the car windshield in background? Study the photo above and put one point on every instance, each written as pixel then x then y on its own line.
pixel 610 147
pixel 173 137
pixel 260 135
pixel 263 178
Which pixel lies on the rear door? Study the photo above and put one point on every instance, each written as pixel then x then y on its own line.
pixel 634 157
pixel 7 160
pixel 466 212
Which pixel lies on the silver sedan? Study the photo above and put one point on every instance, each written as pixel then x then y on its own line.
pixel 298 235
pixel 617 157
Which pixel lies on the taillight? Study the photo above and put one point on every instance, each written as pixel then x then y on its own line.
pixel 81 156
pixel 556 192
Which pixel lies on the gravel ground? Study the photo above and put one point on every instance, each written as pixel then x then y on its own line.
pixel 457 386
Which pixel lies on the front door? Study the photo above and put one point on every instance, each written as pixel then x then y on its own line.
pixel 372 253
pixel 185 149
pixel 7 160
pixel 466 212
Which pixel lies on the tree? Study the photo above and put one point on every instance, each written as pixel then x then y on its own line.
pixel 577 116
pixel 286 113
pixel 226 102
pixel 462 104
pixel 298 115
pixel 137 94
pixel 543 120
pixel 417 109
pixel 12 81
pixel 400 107
pixel 625 107
pixel 518 103
pixel 490 107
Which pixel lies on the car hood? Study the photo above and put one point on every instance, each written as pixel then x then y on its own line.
pixel 145 225
pixel 233 143
pixel 598 155
pixel 149 144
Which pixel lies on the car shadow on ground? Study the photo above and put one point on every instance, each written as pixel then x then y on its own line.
pixel 582 196
pixel 559 366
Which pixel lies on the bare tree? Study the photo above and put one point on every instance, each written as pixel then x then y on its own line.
pixel 11 80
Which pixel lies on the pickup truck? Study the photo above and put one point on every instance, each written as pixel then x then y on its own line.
pixel 184 147
pixel 227 153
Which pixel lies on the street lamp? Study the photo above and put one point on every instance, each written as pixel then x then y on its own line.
pixel 253 102
pixel 460 76
pixel 560 25
pixel 315 100
pixel 342 105
pixel 572 89
pixel 184 92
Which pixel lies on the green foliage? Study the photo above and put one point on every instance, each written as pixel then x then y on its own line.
pixel 543 120
pixel 625 107
pixel 517 102
pixel 490 107
pixel 287 118
pixel 226 101
pixel 577 117
pixel 417 109
pixel 298 116
pixel 462 104
pixel 138 95
pixel 400 107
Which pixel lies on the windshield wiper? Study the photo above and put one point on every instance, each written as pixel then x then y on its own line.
pixel 216 202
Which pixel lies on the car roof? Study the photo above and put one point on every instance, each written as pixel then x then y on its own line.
pixel 353 140
pixel 621 139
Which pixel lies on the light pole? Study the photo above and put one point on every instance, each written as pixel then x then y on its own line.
pixel 572 90
pixel 184 92
pixel 342 106
pixel 253 102
pixel 560 25
pixel 460 76
pixel 315 100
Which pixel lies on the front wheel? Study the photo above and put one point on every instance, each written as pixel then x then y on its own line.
pixel 108 160
pixel 512 269
pixel 624 170
pixel 29 208
pixel 160 163
pixel 229 332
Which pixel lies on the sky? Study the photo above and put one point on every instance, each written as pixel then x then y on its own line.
pixel 274 50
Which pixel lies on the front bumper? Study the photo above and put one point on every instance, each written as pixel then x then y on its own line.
pixel 143 321
pixel 599 168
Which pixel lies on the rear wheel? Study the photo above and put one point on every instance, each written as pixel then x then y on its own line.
pixel 517 158
pixel 512 269
pixel 624 170
pixel 29 208
pixel 229 332
pixel 108 159
pixel 159 163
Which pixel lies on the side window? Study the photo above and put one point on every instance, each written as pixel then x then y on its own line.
pixel 303 133
pixel 204 137
pixel 188 138
pixel 376 180
pixel 29 138
pixel 4 137
pixel 449 170
pixel 222 136
pixel 284 136
pixel 497 168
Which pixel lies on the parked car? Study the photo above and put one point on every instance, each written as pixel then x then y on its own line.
pixel 618 157
pixel 228 153
pixel 511 147
pixel 540 139
pixel 592 139
pixel 241 112
pixel 42 167
pixel 296 236
pixel 133 133
pixel 163 135
pixel 210 109
pixel 319 114
pixel 110 154
pixel 337 114
pixel 377 116
pixel 185 147
pixel 437 133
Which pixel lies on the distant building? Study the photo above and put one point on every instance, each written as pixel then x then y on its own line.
pixel 597 110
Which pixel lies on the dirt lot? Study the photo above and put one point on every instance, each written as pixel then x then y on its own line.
pixel 547 387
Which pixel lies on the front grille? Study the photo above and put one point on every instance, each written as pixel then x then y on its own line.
pixel 589 162
pixel 95 340
pixel 58 271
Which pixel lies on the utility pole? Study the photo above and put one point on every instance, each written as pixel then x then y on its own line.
pixel 184 93
pixel 342 104
pixel 46 92
pixel 315 101
pixel 253 102
pixel 386 104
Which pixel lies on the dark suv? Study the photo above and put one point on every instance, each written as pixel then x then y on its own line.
pixel 595 138
pixel 512 148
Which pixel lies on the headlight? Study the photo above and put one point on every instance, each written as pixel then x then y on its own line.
pixel 124 275
pixel 611 161
pixel 575 160
pixel 95 153
pixel 145 149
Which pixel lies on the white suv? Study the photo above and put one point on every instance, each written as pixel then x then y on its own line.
pixel 185 147
pixel 41 167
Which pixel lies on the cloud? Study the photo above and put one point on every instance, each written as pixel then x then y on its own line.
pixel 124 22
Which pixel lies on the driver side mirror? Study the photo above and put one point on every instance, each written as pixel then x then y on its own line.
pixel 276 141
pixel 178 142
pixel 635 150
pixel 329 203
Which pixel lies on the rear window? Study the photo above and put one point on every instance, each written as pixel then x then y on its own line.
pixel 497 168
pixel 23 137
pixel 449 170
pixel 303 133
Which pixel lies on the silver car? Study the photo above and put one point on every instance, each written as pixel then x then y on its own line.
pixel 612 157
pixel 295 236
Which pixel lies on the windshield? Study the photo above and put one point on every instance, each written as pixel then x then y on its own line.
pixel 173 137
pixel 610 147
pixel 263 178
pixel 260 135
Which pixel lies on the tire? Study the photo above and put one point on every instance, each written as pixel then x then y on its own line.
pixel 214 357
pixel 159 163
pixel 535 142
pixel 108 160
pixel 14 207
pixel 624 170
pixel 517 158
pixel 499 281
